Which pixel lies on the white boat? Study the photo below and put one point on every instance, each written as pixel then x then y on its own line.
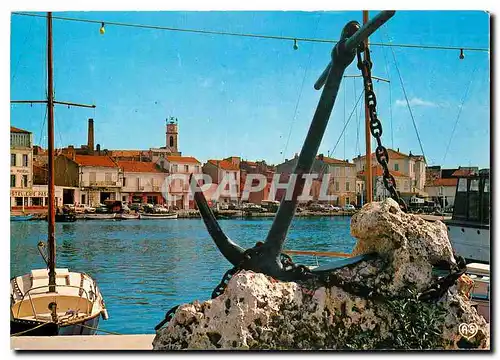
pixel 158 216
pixel 100 216
pixel 75 309
pixel 480 292
pixel 129 216
pixel 469 227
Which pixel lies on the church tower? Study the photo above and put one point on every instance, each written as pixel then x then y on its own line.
pixel 172 134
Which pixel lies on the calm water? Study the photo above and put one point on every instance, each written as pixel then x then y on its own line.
pixel 143 268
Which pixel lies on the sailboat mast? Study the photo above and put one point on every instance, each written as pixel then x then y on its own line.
pixel 50 132
pixel 368 158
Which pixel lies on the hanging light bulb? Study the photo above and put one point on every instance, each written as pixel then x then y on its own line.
pixel 295 46
pixel 102 30
pixel 461 57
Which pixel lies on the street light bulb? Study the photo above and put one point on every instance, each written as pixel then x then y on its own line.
pixel 102 30
pixel 461 57
pixel 295 46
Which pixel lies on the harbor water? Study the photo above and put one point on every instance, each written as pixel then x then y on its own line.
pixel 143 268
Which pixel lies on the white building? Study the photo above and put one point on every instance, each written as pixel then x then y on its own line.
pixel 180 168
pixel 142 182
pixel 21 169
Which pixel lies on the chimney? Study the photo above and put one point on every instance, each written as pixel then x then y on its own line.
pixel 90 138
pixel 98 149
pixel 71 151
pixel 398 149
pixel 320 156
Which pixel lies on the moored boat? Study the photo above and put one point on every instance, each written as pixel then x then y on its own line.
pixel 129 216
pixel 21 217
pixel 97 216
pixel 74 309
pixel 158 216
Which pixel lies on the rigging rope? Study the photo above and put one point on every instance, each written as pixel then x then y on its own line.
pixel 386 62
pixel 407 102
pixel 357 119
pixel 459 112
pixel 348 120
pixel 275 37
pixel 21 54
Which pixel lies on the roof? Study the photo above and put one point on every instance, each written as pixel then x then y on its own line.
pixel 393 154
pixel 332 161
pixel 138 166
pixel 224 164
pixel 377 171
pixel 125 153
pixel 92 160
pixel 444 182
pixel 182 159
pixel 17 130
pixel 463 172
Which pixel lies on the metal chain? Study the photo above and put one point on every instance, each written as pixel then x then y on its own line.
pixel 376 126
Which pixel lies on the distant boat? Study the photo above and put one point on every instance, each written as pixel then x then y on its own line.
pixel 129 216
pixel 21 217
pixel 70 217
pixel 158 216
pixel 100 216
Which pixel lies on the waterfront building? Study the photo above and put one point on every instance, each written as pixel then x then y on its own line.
pixel 142 182
pixel 21 170
pixel 379 191
pixel 411 167
pixel 256 167
pixel 340 174
pixel 227 173
pixel 179 169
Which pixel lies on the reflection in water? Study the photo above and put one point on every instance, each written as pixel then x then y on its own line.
pixel 144 268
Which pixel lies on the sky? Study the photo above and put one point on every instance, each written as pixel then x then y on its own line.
pixel 254 98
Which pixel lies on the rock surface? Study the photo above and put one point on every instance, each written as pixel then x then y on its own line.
pixel 369 305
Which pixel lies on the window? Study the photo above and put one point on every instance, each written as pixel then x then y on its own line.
pixel 12 180
pixel 186 168
pixel 124 198
pixel 197 168
pixel 174 168
pixel 19 201
pixel 83 199
pixel 25 160
pixel 37 201
pixel 347 186
pixel 162 164
pixel 347 201
pixel 124 182
pixel 396 167
pixel 25 181
pixel 347 172
pixel 337 186
pixel 92 177
pixel 337 172
pixel 171 141
pixel 107 177
pixel 12 159
pixel 151 199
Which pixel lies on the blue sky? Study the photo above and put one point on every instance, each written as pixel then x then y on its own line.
pixel 237 96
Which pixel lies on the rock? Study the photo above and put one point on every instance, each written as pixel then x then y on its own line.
pixel 369 305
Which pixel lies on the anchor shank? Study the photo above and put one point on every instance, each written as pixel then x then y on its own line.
pixel 277 233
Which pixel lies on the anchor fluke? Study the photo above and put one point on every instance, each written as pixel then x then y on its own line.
pixel 231 251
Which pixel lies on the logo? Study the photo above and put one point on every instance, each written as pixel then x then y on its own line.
pixel 468 331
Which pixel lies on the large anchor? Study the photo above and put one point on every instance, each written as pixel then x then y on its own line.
pixel 266 257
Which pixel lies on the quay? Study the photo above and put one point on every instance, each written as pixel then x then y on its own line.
pixel 83 342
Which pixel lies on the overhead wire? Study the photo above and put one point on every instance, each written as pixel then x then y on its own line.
pixel 227 33
pixel 459 112
pixel 347 123
pixel 407 101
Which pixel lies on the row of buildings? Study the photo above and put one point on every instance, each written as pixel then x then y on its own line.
pixel 91 175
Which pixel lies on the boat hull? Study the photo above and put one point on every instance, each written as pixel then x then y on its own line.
pixel 65 217
pixel 472 243
pixel 129 217
pixel 21 218
pixel 157 216
pixel 23 328
pixel 100 216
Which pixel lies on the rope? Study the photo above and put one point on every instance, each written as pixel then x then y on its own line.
pixel 25 331
pixel 459 113
pixel 408 103
pixel 21 54
pixel 348 120
pixel 96 329
pixel 274 37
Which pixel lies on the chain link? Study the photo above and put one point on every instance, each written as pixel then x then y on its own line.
pixel 376 126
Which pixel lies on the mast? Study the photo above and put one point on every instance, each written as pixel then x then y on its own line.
pixel 368 158
pixel 50 132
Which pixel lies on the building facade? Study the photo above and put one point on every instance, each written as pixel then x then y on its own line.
pixel 21 167
pixel 142 182
pixel 256 167
pixel 226 174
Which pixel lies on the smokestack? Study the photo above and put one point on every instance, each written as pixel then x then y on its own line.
pixel 72 153
pixel 90 138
